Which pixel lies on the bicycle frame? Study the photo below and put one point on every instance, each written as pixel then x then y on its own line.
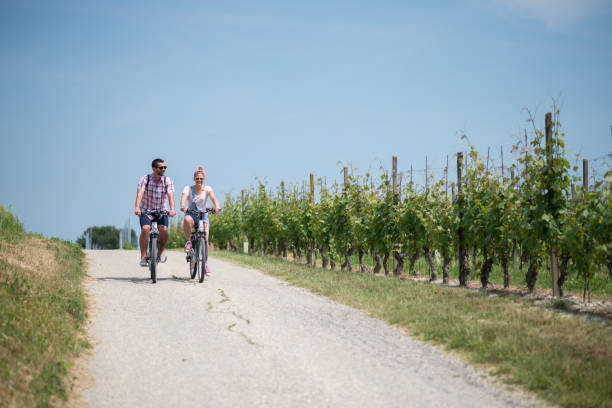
pixel 154 233
pixel 194 257
pixel 153 253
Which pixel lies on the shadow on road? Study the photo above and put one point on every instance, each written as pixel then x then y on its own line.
pixel 147 280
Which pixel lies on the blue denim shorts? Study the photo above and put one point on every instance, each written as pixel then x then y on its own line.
pixel 163 220
pixel 195 216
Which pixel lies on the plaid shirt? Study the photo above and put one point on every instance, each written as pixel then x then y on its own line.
pixel 155 196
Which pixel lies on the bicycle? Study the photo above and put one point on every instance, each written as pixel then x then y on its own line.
pixel 154 246
pixel 198 254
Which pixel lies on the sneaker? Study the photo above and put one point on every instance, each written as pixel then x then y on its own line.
pixel 162 257
pixel 207 270
pixel 188 246
pixel 143 262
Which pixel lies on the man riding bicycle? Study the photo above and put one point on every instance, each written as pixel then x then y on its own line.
pixel 153 190
pixel 197 196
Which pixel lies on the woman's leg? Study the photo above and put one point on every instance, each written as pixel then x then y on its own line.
pixel 187 227
pixel 207 243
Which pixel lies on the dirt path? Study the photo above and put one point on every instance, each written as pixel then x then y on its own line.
pixel 246 339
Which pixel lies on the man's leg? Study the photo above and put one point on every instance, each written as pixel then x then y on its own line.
pixel 163 237
pixel 144 240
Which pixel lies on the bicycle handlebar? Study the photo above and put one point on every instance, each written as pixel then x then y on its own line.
pixel 207 210
pixel 155 212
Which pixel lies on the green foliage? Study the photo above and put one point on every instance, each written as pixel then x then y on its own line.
pixel 530 214
pixel 10 227
pixel 588 234
pixel 176 236
pixel 227 229
pixel 384 229
pixel 42 317
pixel 106 237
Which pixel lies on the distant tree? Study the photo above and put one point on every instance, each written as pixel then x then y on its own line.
pixel 106 237
pixel 134 238
pixel 176 236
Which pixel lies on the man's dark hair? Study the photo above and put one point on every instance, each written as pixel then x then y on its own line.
pixel 156 162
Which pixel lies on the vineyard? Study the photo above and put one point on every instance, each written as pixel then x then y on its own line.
pixel 532 214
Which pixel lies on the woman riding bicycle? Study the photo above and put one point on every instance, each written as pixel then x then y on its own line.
pixel 197 195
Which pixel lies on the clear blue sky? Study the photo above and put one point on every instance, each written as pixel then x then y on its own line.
pixel 92 91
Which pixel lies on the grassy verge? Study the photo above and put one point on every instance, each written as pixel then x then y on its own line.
pixel 566 361
pixel 600 284
pixel 42 315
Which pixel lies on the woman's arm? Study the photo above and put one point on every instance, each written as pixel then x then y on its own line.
pixel 214 200
pixel 183 198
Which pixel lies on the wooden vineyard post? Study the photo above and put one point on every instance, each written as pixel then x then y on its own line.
pixel 585 190
pixel 585 177
pixel 446 182
pixel 283 243
pixel 394 176
pixel 282 192
pixel 411 185
pixel 464 268
pixel 312 189
pixel 554 268
pixel 245 243
pixel 395 200
pixel 346 182
pixel 349 250
pixel 312 256
pixel 396 261
pixel 426 176
pixel 514 251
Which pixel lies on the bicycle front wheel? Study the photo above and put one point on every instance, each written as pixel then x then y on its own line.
pixel 201 259
pixel 153 260
pixel 192 264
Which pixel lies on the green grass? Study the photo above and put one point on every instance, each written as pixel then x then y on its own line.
pixel 42 315
pixel 601 284
pixel 11 229
pixel 566 361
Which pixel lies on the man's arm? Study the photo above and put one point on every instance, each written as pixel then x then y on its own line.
pixel 139 194
pixel 171 213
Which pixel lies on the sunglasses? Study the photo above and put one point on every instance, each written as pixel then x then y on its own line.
pixel 162 167
pixel 199 178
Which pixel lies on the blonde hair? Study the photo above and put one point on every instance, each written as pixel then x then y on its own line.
pixel 200 169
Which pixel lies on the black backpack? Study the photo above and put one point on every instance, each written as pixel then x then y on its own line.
pixel 164 183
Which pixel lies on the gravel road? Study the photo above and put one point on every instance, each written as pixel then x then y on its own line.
pixel 244 339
